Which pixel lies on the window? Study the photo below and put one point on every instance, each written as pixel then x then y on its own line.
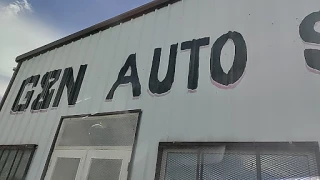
pixel 94 147
pixel 15 161
pixel 261 161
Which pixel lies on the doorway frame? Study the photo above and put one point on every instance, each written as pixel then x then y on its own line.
pixel 139 111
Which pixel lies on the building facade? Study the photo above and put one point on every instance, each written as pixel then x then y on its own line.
pixel 175 89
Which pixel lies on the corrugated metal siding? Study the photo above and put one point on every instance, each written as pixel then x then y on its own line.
pixel 277 100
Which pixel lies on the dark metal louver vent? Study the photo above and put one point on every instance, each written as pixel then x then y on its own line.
pixel 15 161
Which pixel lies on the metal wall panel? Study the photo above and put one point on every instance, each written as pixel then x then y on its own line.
pixel 277 99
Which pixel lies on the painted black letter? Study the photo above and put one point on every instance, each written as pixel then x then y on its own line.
pixel 155 86
pixel 44 98
pixel 73 88
pixel 239 63
pixel 194 45
pixel 122 79
pixel 21 107
pixel 309 35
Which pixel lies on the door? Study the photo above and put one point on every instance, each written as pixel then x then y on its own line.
pixel 66 165
pixel 106 164
pixel 89 165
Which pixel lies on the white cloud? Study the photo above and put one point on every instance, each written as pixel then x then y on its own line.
pixel 20 32
pixel 16 7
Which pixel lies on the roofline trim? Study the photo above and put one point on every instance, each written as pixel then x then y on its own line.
pixel 134 13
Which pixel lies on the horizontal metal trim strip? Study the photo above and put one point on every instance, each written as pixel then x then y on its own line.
pixel 144 9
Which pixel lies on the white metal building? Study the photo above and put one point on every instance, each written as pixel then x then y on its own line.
pixel 172 90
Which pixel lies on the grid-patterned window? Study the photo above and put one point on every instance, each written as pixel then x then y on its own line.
pixel 110 131
pixel 15 161
pixel 261 161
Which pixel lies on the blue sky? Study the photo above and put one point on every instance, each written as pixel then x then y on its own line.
pixel 73 15
pixel 29 24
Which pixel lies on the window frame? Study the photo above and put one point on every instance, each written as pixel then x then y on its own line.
pixel 255 147
pixel 21 147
